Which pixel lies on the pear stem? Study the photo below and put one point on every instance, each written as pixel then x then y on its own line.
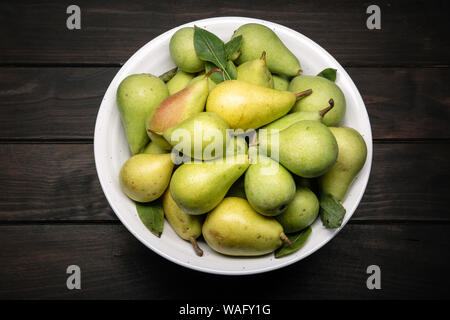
pixel 324 111
pixel 285 239
pixel 263 56
pixel 166 76
pixel 303 93
pixel 197 249
pixel 212 71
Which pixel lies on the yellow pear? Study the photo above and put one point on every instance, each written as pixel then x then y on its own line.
pixel 248 106
pixel 234 228
pixel 188 227
pixel 144 177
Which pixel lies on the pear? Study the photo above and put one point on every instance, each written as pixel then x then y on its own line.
pixel 137 96
pixel 202 136
pixel 257 38
pixel 306 148
pixel 188 227
pixel 301 212
pixel 183 52
pixel 179 82
pixel 351 159
pixel 144 177
pixel 180 106
pixel 248 106
pixel 268 186
pixel 199 187
pixel 295 117
pixel 235 229
pixel 323 90
pixel 153 148
pixel 256 72
pixel 280 82
pixel 211 83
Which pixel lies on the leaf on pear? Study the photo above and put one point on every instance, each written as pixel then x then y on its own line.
pixel 218 77
pixel 232 71
pixel 152 216
pixel 331 211
pixel 298 240
pixel 328 73
pixel 210 48
pixel 233 46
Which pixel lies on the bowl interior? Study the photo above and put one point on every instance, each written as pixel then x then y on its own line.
pixel 111 150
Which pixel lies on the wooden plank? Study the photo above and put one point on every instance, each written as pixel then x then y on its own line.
pixel 36 32
pixel 62 103
pixel 50 182
pixel 51 103
pixel 33 261
pixel 42 182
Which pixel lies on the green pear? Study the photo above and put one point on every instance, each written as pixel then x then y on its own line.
pixel 289 119
pixel 248 106
pixel 183 52
pixel 301 212
pixel 351 159
pixel 256 72
pixel 211 83
pixel 280 82
pixel 137 96
pixel 202 136
pixel 306 148
pixel 187 226
pixel 179 82
pixel 179 106
pixel 144 177
pixel 199 187
pixel 268 186
pixel 153 148
pixel 257 38
pixel 323 90
pixel 235 229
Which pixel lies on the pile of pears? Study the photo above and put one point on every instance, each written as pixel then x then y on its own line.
pixel 244 197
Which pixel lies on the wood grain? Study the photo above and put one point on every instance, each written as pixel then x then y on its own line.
pixel 46 182
pixel 413 261
pixel 62 103
pixel 412 32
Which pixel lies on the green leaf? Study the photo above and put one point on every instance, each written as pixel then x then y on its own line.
pixel 231 68
pixel 298 240
pixel 232 46
pixel 328 73
pixel 218 77
pixel 152 216
pixel 331 211
pixel 210 48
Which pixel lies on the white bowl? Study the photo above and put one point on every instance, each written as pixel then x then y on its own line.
pixel 111 149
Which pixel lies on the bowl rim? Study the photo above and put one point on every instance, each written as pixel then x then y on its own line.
pixel 102 114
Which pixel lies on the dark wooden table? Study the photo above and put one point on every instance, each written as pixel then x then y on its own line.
pixel 52 210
